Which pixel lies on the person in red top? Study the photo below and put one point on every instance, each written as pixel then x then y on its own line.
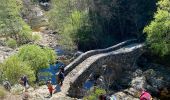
pixel 50 87
pixel 145 95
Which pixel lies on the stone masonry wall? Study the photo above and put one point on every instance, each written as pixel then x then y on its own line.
pixel 123 60
pixel 87 54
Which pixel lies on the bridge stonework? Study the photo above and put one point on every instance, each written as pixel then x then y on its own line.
pixel 87 54
pixel 124 60
pixel 121 56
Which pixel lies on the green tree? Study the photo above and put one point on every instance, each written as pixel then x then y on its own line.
pixel 13 68
pixel 60 11
pixel 50 54
pixel 73 22
pixel 36 56
pixel 78 29
pixel 159 30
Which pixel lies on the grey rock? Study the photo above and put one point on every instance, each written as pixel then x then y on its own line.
pixel 139 82
pixel 137 73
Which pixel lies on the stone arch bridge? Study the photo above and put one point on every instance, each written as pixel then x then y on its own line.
pixel 122 56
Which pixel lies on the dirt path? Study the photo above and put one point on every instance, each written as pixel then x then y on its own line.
pixel 13 97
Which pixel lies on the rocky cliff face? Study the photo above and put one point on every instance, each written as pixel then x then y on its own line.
pixel 153 78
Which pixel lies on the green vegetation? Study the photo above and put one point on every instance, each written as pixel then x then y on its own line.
pixel 159 30
pixel 98 24
pixel 94 95
pixel 36 56
pixel 28 61
pixel 76 30
pixel 11 22
pixel 11 43
pixel 36 37
pixel 13 68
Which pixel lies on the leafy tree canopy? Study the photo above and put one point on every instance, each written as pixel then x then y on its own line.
pixel 91 24
pixel 159 30
pixel 36 56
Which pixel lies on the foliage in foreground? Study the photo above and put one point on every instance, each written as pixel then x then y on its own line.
pixel 94 95
pixel 28 61
pixel 159 30
pixel 13 68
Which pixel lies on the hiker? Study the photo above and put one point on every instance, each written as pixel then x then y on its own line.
pixel 50 87
pixel 145 95
pixel 24 81
pixel 62 68
pixel 60 76
pixel 7 84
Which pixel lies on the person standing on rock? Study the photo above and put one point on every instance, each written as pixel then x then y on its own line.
pixel 24 81
pixel 60 76
pixel 50 87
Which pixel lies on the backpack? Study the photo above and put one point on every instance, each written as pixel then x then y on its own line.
pixel 61 75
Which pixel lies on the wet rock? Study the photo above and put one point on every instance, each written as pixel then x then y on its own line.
pixel 157 79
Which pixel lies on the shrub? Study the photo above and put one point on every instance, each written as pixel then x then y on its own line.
pixel 95 94
pixel 36 37
pixel 13 68
pixel 37 57
pixel 25 35
pixel 11 43
pixel 50 54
